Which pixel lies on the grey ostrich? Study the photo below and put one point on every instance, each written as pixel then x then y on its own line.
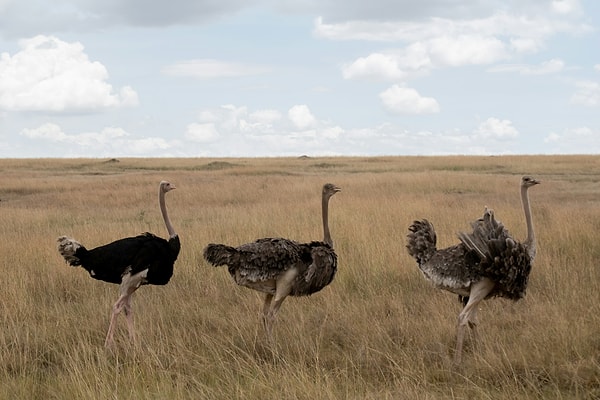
pixel 145 259
pixel 280 267
pixel 486 263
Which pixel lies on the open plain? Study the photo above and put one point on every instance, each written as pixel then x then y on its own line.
pixel 378 331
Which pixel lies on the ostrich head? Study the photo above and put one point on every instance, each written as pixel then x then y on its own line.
pixel 166 186
pixel 329 189
pixel 528 181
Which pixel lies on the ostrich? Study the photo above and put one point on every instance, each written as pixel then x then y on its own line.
pixel 130 262
pixel 486 263
pixel 280 267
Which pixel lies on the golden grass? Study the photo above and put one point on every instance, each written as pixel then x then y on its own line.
pixel 379 331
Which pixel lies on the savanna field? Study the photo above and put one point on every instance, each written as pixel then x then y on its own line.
pixel 378 331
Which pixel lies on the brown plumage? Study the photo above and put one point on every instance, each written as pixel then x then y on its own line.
pixel 280 267
pixel 486 263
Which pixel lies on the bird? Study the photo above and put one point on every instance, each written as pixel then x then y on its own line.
pixel 131 262
pixel 487 262
pixel 280 267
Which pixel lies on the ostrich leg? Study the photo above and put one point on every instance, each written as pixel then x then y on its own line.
pixel 478 292
pixel 129 284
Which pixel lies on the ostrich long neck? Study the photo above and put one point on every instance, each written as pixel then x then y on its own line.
pixel 326 234
pixel 530 241
pixel 163 210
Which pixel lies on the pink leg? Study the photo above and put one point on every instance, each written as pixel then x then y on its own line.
pixel 129 318
pixel 467 316
pixel 117 307
pixel 128 286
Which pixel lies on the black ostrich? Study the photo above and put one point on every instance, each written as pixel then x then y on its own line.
pixel 145 259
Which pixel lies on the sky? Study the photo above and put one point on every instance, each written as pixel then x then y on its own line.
pixel 270 78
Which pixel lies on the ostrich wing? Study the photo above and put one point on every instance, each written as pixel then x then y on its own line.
pixel 260 260
pixel 451 269
pixel 322 268
pixel 276 253
pixel 501 258
pixel 134 254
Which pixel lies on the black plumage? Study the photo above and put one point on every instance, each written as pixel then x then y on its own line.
pixel 486 263
pixel 130 255
pixel 131 262
pixel 280 267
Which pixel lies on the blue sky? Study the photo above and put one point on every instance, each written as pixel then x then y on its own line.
pixel 232 78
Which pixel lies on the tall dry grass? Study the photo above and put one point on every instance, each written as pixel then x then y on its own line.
pixel 379 331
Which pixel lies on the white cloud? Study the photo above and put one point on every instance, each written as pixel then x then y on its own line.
pixel 428 48
pixel 587 94
pixel 151 145
pixel 202 133
pixel 552 138
pixel 547 67
pixel 499 25
pixel 48 74
pixel 597 67
pixel 48 131
pixel 377 66
pixel 260 122
pixel 441 42
pixel 267 131
pixel 564 7
pixel 53 133
pixel 209 69
pixel 401 100
pixel 454 51
pixel 333 132
pixel 420 57
pixel 582 140
pixel 395 66
pixel 238 132
pixel 110 141
pixel 229 121
pixel 496 129
pixel 128 97
pixel 207 116
pixel 524 45
pixel 301 117
pixel 265 116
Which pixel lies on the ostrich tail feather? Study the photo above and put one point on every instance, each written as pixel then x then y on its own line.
pixel 422 240
pixel 68 247
pixel 219 254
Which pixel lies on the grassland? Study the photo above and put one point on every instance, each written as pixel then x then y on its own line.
pixel 379 331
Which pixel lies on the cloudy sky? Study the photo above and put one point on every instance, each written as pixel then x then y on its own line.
pixel 121 78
